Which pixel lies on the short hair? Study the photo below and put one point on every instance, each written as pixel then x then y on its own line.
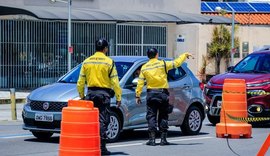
pixel 101 44
pixel 151 53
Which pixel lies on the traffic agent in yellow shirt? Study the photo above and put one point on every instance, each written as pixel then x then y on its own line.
pixel 99 73
pixel 154 72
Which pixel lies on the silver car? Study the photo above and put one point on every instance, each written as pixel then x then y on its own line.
pixel 42 112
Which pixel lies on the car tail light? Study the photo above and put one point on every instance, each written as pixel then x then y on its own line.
pixel 201 85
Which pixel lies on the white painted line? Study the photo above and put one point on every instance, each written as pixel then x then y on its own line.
pixel 176 140
pixel 126 145
pixel 16 136
pixel 187 139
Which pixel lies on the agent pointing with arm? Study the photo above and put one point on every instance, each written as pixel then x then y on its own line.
pixel 153 72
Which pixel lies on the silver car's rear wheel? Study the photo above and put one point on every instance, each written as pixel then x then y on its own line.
pixel 193 121
pixel 113 127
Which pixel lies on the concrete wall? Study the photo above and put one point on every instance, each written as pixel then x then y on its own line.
pixel 144 5
pixel 257 36
pixel 171 39
pixel 196 37
pixel 189 43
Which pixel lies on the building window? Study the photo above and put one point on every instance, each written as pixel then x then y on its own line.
pixel 245 49
pixel 134 40
pixel 237 53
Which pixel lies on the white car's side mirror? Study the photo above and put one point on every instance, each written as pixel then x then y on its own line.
pixel 135 81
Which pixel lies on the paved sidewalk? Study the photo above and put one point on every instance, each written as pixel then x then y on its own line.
pixel 5 97
pixel 5 112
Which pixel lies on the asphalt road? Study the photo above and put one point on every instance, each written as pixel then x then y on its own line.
pixel 16 142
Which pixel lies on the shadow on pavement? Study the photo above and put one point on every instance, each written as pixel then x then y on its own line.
pixel 54 139
pixel 143 135
pixel 173 144
pixel 118 153
pixel 261 125
pixel 254 125
pixel 210 125
pixel 124 136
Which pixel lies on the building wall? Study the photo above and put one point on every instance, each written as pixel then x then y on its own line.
pixel 257 36
pixel 197 36
pixel 171 39
pixel 186 39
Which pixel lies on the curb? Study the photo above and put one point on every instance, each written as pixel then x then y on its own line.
pixel 8 101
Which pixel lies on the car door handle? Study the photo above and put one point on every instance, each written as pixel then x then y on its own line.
pixel 186 86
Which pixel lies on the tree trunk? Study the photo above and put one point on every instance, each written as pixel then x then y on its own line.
pixel 217 66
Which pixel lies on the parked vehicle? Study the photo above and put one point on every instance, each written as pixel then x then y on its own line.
pixel 255 69
pixel 42 112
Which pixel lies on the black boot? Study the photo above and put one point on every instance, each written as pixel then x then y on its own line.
pixel 152 139
pixel 104 150
pixel 163 139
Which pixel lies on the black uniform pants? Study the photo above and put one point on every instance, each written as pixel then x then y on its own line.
pixel 157 107
pixel 101 101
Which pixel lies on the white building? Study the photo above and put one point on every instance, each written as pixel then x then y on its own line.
pixel 34 34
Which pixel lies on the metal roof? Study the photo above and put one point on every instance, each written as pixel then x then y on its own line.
pixel 84 14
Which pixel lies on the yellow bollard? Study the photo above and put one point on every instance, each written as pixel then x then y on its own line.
pixel 13 104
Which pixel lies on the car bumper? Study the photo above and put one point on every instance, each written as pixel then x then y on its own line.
pixel 31 124
pixel 214 108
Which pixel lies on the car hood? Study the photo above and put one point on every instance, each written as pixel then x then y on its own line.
pixel 61 92
pixel 250 78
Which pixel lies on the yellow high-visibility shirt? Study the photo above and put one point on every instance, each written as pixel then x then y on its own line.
pixel 95 72
pixel 154 73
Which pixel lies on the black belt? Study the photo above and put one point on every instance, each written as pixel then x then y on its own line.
pixel 107 90
pixel 163 90
pixel 99 88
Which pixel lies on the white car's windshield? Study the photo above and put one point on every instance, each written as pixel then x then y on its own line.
pixel 72 77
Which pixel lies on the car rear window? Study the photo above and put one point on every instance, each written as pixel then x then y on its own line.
pixel 176 74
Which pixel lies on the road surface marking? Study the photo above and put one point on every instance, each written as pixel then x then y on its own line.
pixel 15 136
pixel 175 140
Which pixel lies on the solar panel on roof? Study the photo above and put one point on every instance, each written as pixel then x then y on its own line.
pixel 261 7
pixel 205 8
pixel 213 5
pixel 241 7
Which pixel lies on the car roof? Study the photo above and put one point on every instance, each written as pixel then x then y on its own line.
pixel 262 52
pixel 128 58
pixel 132 58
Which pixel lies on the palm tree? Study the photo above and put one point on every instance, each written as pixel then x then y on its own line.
pixel 220 45
pixel 202 70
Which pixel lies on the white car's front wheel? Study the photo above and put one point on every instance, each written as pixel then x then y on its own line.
pixel 42 136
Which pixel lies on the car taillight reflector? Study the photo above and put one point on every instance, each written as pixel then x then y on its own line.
pixel 201 85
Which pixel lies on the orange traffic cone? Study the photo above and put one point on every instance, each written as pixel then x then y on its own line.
pixel 264 147
pixel 234 103
pixel 80 129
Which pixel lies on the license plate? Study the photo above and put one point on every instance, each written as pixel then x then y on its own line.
pixel 219 103
pixel 44 117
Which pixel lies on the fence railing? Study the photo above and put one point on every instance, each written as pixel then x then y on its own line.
pixel 34 52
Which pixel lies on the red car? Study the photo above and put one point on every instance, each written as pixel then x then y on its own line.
pixel 255 69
